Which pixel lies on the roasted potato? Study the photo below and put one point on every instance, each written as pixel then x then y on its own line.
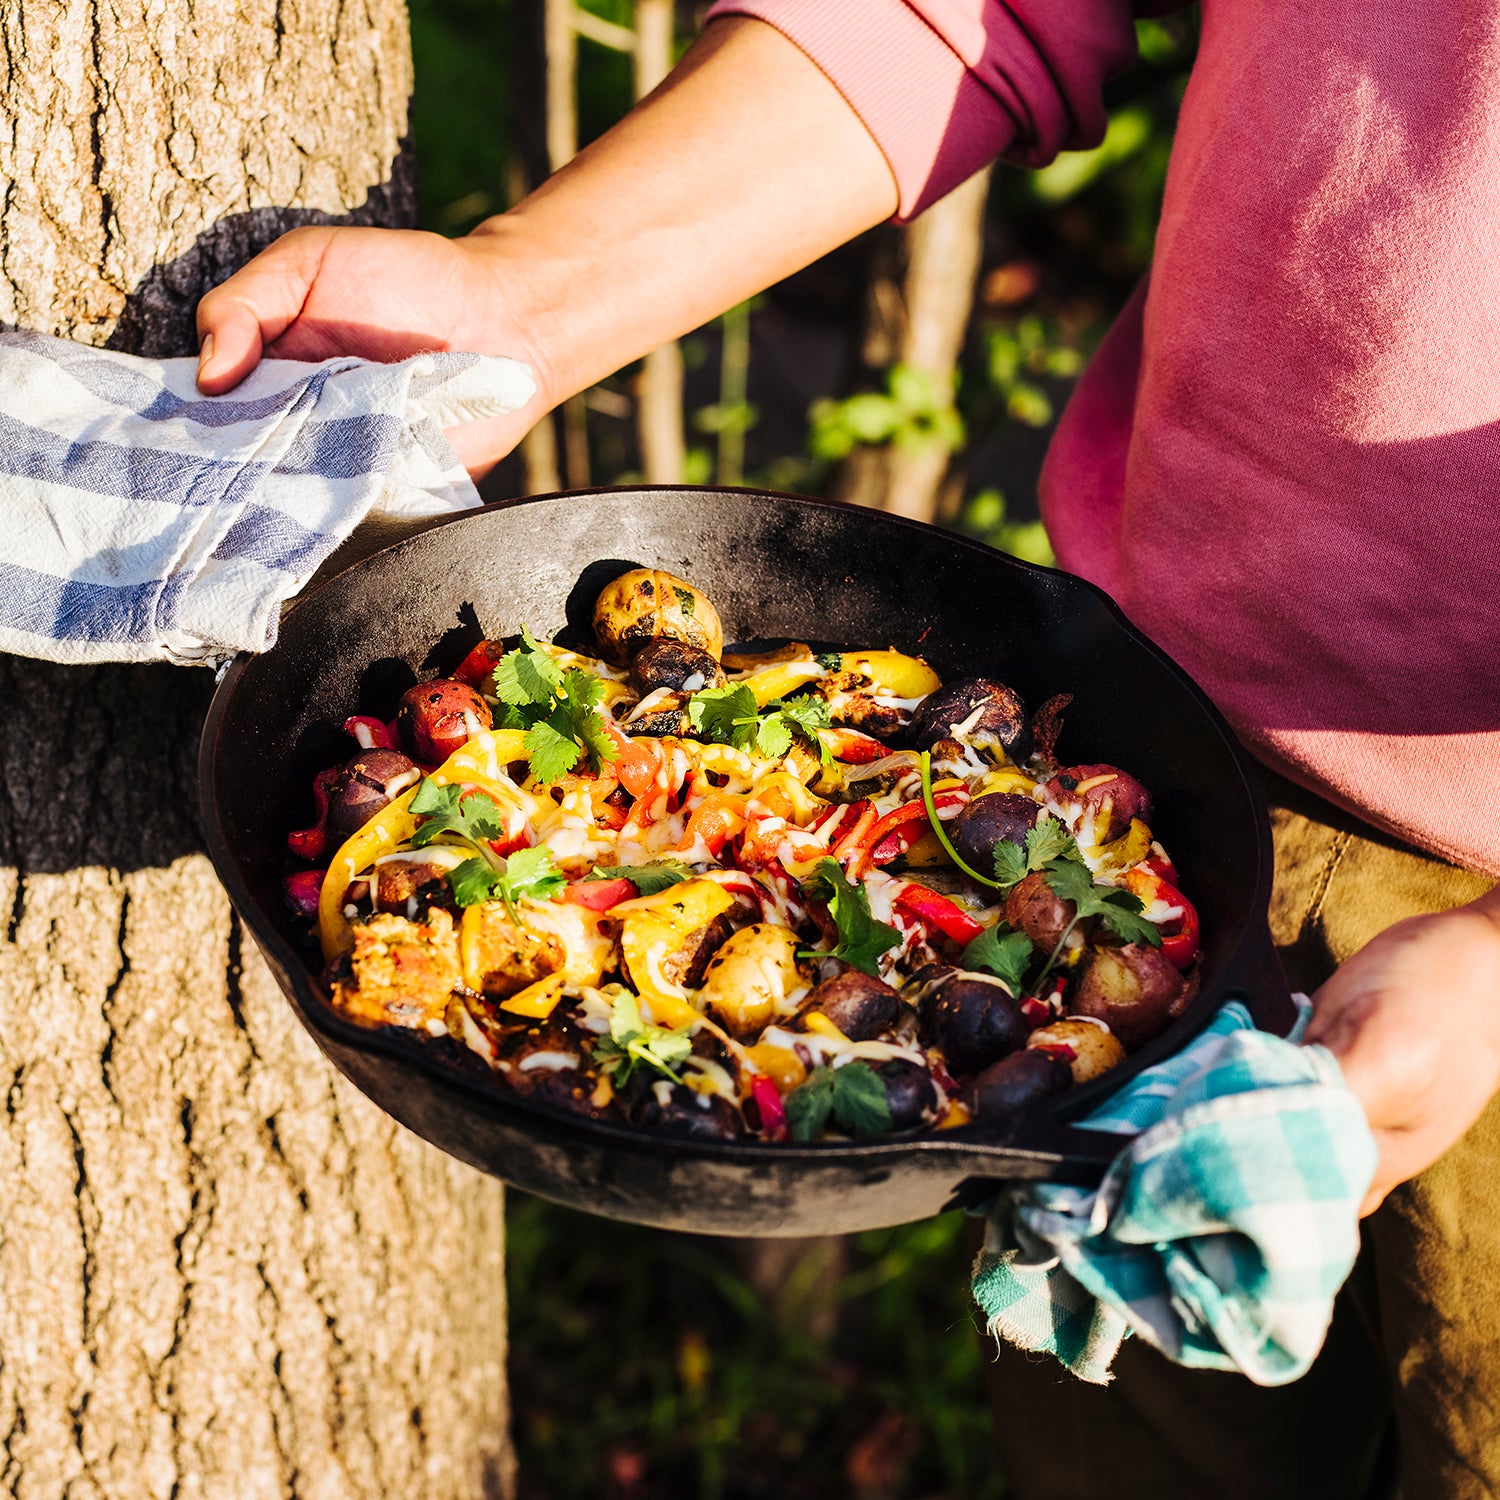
pixel 861 1006
pixel 995 715
pixel 646 603
pixel 973 1019
pixel 1095 1048
pixel 1134 990
pixel 1115 796
pixel 1015 1083
pixel 369 782
pixel 1038 911
pixel 441 716
pixel 753 978
pixel 998 817
pixel 670 663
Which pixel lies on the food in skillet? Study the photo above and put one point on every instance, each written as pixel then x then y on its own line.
pixel 776 894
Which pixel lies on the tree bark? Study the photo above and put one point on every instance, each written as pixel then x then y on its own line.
pixel 222 1271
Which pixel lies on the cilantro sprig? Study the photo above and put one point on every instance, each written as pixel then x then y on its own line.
pixel 731 716
pixel 1046 842
pixel 649 878
pixel 558 710
pixel 634 1043
pixel 1003 952
pixel 1119 910
pixel 861 939
pixel 448 812
pixel 852 1096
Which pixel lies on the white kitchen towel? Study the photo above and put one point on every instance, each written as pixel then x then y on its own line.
pixel 143 521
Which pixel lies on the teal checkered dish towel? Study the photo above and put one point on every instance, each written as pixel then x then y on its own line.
pixel 1220 1233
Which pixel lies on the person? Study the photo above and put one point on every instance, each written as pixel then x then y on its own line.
pixel 1280 464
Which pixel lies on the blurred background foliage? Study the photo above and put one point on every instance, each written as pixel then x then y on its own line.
pixel 645 1364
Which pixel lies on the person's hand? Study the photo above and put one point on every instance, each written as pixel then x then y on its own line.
pixel 383 294
pixel 1414 1020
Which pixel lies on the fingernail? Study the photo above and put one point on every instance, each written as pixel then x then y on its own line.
pixel 205 352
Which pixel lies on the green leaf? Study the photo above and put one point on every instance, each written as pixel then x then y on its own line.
pixel 1049 840
pixel 831 661
pixel 806 714
pixel 859 1102
pixel 1119 910
pixel 716 713
pixel 809 1105
pixel 1002 952
pixel 685 599
pixel 526 675
pixel 631 1043
pixel 861 939
pixel 656 875
pixel 552 754
pixel 852 1096
pixel 773 737
pixel 449 810
pixel 473 881
pixel 1010 863
pixel 533 872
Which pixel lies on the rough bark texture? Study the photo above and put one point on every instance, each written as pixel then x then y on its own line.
pixel 222 1272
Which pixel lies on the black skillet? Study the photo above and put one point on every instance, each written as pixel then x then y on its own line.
pixel 776 566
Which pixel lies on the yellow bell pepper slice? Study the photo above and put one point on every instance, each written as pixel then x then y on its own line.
pixel 894 672
pixel 656 926
pixel 1005 779
pixel 1129 849
pixel 785 677
pixel 478 762
pixel 538 1000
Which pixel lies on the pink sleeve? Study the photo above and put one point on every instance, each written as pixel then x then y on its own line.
pixel 945 86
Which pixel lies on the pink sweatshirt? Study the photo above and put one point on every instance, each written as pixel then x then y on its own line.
pixel 1284 461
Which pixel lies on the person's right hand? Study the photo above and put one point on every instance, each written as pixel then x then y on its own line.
pixel 380 293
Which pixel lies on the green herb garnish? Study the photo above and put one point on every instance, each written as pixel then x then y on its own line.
pixel 852 1095
pixel 861 939
pixel 685 599
pixel 558 710
pixel 731 716
pixel 1001 951
pixel 1047 841
pixel 633 1043
pixel 448 812
pixel 1118 909
pixel 653 876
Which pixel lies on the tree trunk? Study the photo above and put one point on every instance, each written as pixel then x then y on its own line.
pixel 222 1271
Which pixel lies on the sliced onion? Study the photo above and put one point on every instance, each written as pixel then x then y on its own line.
pixel 896 764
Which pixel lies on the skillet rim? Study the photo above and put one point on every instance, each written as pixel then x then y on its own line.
pixel 1042 1132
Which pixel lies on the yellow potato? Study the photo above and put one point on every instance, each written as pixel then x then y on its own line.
pixel 751 980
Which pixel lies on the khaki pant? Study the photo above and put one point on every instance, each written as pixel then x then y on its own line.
pixel 1405 1396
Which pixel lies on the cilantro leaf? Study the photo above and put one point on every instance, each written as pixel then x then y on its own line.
pixel 471 817
pixel 773 737
pixel 653 876
pixel 552 753
pixel 717 713
pixel 473 881
pixel 1050 840
pixel 809 1105
pixel 1010 863
pixel 852 1095
pixel 632 1043
pixel 861 939
pixel 685 599
pixel 1003 952
pixel 526 675
pixel 1119 910
pixel 808 714
pixel 531 872
pixel 831 661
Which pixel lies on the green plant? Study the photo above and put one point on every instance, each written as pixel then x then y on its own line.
pixel 914 411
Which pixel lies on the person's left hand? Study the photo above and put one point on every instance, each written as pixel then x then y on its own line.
pixel 1414 1020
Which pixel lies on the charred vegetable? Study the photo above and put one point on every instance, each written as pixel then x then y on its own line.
pixel 439 717
pixel 978 710
pixel 647 603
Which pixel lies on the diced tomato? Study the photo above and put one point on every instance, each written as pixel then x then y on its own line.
pixel 714 822
pixel 939 913
pixel 599 895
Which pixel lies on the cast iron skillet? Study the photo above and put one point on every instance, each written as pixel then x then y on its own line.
pixel 776 566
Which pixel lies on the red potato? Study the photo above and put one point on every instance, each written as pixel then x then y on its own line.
pixel 1037 910
pixel 368 784
pixel 441 716
pixel 1135 991
pixel 1015 1083
pixel 973 1019
pixel 1106 789
pixel 989 820
pixel 861 1006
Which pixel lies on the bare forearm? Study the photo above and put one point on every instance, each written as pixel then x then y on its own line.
pixel 744 166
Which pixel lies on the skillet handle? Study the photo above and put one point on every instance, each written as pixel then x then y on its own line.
pixel 1257 980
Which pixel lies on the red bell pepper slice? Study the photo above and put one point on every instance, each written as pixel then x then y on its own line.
pixel 897 830
pixel 479 663
pixel 1181 946
pixel 372 733
pixel 599 895
pixel 772 1111
pixel 939 912
pixel 311 843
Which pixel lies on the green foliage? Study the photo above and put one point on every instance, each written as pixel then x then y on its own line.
pixel 985 517
pixel 913 412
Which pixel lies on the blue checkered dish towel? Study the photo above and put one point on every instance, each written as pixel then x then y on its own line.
pixel 142 521
pixel 1220 1234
